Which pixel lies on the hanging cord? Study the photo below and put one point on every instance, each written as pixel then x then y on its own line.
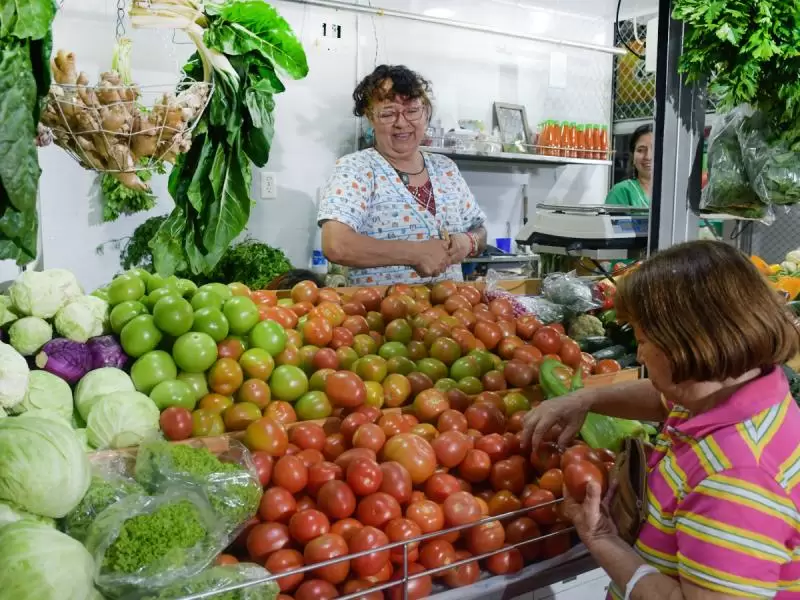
pixel 619 34
pixel 120 29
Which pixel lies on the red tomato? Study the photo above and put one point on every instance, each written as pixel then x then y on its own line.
pixel 544 515
pixel 268 435
pixel 346 528
pixel 327 547
pixel 316 589
pixel 377 509
pixel 396 481
pixel 508 474
pixel 495 445
pixel 547 339
pixel 307 435
pixel 350 423
pixel 524 528
pixel 369 436
pixel 393 423
pixel 578 453
pixel 476 466
pixel 348 456
pixel 577 476
pixel 427 514
pixel 436 553
pixel 461 508
pixel 266 538
pixel 364 476
pixel 335 445
pixel 290 473
pixel 545 457
pixel 398 530
pixel 176 423
pixel 352 586
pixel 463 575
pixel 606 366
pixel 277 505
pixel 503 502
pixel 336 499
pixel 368 538
pixel 417 588
pixel 310 457
pixel 286 560
pixel 263 463
pixel 558 544
pixel 414 453
pixel 452 420
pixel 486 537
pixel 321 473
pixel 553 482
pixel 505 563
pixel 308 524
pixel 518 373
pixel 570 353
pixel 226 559
pixel 489 333
pixel 450 448
pixel 440 485
pixel 486 418
pixel 345 388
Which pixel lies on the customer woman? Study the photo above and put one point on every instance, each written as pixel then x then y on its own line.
pixel 637 190
pixel 723 484
pixel 392 213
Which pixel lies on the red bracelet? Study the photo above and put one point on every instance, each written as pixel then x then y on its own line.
pixel 473 244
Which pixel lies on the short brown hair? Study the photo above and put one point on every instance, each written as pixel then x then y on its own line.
pixel 404 82
pixel 706 306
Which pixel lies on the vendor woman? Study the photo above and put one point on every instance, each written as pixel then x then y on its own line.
pixel 392 213
pixel 637 190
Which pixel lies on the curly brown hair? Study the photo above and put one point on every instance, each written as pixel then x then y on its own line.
pixel 404 82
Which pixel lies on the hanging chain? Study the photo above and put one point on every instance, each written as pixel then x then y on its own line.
pixel 120 30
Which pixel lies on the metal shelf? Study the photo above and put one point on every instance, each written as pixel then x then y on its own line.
pixel 513 157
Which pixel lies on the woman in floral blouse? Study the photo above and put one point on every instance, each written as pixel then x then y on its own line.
pixel 392 213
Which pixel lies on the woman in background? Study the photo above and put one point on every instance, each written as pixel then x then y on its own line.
pixel 637 190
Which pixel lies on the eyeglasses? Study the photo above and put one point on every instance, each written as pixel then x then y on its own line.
pixel 412 114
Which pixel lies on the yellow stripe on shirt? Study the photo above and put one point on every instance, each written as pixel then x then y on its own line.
pixel 723 582
pixel 750 495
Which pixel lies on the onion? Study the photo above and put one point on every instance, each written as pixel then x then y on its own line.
pixel 65 358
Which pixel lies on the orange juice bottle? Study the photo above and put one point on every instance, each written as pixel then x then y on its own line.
pixel 580 145
pixel 603 143
pixel 564 142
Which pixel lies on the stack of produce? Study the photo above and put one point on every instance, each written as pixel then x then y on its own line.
pixel 784 277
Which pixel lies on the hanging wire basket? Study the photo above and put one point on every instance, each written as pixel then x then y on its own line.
pixel 121 129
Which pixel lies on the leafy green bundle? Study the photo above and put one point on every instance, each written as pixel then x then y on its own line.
pixel 25 44
pixel 119 199
pixel 242 42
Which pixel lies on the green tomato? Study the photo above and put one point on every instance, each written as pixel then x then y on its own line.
pixel 220 289
pixel 162 292
pixel 485 361
pixel 173 315
pixel 400 364
pixel 433 368
pixel 195 352
pixel 142 274
pixel 155 282
pixel 173 393
pixel 197 383
pixel 390 349
pixel 466 366
pixel 212 322
pixel 151 369
pixel 288 382
pixel 186 287
pixel 206 299
pixel 139 336
pixel 515 402
pixel 470 385
pixel 445 384
pixel 242 314
pixel 101 293
pixel 268 335
pixel 286 302
pixel 124 312
pixel 125 287
pixel 313 405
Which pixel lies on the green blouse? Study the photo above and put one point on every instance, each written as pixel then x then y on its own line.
pixel 628 193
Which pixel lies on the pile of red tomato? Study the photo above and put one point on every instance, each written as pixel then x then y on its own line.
pixel 367 478
pixel 321 351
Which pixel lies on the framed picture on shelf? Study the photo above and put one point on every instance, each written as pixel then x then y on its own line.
pixel 512 121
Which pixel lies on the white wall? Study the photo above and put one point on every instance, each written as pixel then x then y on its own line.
pixel 314 125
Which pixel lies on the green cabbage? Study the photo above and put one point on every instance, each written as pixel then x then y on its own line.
pixel 14 376
pixel 98 383
pixel 82 318
pixel 10 513
pixel 44 468
pixel 49 392
pixel 7 314
pixel 28 334
pixel 122 419
pixel 43 293
pixel 38 562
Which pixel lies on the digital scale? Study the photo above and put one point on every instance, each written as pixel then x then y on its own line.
pixel 595 231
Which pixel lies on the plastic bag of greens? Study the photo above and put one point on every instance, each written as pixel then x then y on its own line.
pixel 111 482
pixel 541 308
pixel 729 190
pixel 229 480
pixel 571 292
pixel 772 166
pixel 145 543
pixel 218 578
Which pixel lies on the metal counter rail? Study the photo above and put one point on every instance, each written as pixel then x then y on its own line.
pixel 573 554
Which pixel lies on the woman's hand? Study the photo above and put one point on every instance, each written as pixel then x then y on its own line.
pixel 430 258
pixel 591 519
pixel 568 412
pixel 460 247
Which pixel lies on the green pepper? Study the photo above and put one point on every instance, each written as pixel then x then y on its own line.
pixel 608 316
pixel 552 384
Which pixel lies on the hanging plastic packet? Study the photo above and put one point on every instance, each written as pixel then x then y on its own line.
pixel 216 579
pixel 541 308
pixel 571 292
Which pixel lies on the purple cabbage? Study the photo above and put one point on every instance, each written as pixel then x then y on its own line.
pixel 65 358
pixel 106 351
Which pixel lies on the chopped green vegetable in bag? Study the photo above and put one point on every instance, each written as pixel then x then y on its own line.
pixel 102 493
pixel 219 577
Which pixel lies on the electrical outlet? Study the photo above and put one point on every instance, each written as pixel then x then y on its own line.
pixel 269 186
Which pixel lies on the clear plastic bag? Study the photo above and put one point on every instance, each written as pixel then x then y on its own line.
pixel 229 480
pixel 572 293
pixel 772 167
pixel 111 482
pixel 541 308
pixel 218 578
pixel 729 190
pixel 142 543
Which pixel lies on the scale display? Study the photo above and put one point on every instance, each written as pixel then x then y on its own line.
pixel 636 226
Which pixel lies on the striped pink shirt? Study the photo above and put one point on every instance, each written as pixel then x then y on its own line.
pixel 724 495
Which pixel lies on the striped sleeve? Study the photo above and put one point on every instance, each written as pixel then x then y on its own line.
pixel 733 533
